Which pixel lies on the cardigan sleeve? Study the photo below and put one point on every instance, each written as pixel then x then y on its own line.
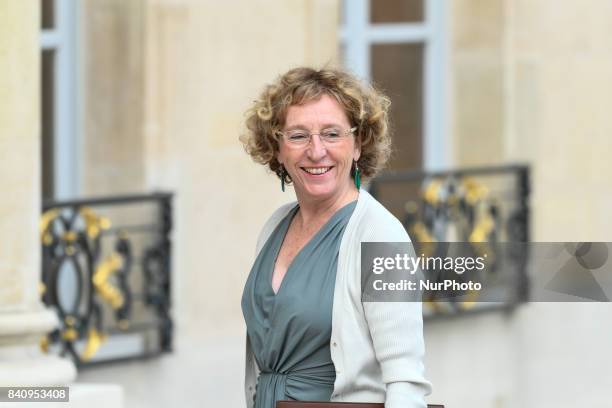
pixel 396 329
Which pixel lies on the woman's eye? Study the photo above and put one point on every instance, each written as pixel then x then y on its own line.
pixel 297 136
pixel 331 134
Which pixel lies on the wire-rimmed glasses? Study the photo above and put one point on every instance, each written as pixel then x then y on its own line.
pixel 298 138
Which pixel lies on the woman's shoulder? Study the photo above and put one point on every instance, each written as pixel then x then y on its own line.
pixel 377 224
pixel 272 222
pixel 280 212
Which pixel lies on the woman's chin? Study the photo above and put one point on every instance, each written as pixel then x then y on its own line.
pixel 320 191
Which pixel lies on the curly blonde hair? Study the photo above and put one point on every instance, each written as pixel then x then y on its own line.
pixel 365 106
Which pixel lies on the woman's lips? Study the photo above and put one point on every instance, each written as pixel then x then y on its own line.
pixel 317 171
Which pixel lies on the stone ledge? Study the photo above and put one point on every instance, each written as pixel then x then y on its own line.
pixel 27 323
pixel 43 370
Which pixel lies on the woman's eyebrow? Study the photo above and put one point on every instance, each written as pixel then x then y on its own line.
pixel 324 126
pixel 295 127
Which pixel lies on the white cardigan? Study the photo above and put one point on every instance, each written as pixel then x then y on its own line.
pixel 377 347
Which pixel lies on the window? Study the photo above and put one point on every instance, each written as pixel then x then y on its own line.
pixel 399 45
pixel 58 99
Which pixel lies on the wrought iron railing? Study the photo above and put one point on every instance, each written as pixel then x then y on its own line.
pixel 473 205
pixel 106 269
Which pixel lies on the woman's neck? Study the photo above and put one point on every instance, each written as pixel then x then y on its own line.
pixel 316 212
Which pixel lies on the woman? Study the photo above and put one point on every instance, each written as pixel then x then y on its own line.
pixel 309 336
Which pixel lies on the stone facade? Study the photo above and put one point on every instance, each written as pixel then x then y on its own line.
pixel 531 82
pixel 180 75
pixel 165 84
pixel 23 319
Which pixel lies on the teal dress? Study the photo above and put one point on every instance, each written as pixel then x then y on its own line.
pixel 290 331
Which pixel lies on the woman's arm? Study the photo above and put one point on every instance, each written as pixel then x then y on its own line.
pixel 397 336
pixel 396 329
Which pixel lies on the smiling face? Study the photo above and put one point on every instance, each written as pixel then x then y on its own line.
pixel 319 172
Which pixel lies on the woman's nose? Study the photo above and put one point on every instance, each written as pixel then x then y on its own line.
pixel 316 148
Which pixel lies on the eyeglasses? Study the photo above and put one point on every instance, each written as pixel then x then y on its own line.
pixel 300 138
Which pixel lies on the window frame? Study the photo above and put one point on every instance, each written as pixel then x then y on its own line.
pixel 357 34
pixel 62 40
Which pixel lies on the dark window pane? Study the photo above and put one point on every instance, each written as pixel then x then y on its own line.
pixel 47 14
pixel 47 122
pixel 398 70
pixel 396 11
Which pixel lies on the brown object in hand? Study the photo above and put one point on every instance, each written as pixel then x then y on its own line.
pixel 306 404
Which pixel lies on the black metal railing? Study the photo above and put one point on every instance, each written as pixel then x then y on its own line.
pixel 473 205
pixel 106 269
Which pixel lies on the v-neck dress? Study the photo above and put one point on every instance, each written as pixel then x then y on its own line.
pixel 290 331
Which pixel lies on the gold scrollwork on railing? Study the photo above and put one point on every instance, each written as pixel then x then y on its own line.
pixel 70 240
pixel 46 222
pixel 464 205
pixel 94 223
pixel 94 341
pixel 105 289
pixel 90 272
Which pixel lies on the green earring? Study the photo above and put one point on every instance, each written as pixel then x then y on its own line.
pixel 283 178
pixel 357 176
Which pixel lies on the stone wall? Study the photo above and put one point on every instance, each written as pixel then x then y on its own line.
pixel 23 319
pixel 532 82
pixel 20 149
pixel 168 82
